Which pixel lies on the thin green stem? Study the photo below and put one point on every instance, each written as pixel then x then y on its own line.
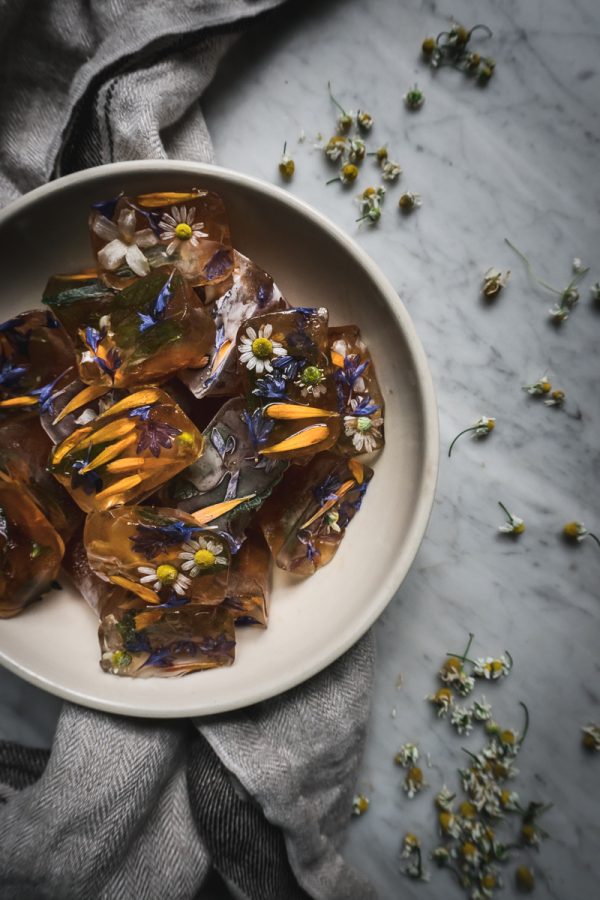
pixel 477 27
pixel 417 850
pixel 284 147
pixel 510 659
pixel 339 106
pixel 526 725
pixel 471 636
pixel 530 270
pixel 505 511
pixel 463 658
pixel 331 180
pixel 460 433
pixel 593 537
pixel 472 755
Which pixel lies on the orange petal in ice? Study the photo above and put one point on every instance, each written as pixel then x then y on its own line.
pixel 298 411
pixel 346 486
pixel 161 199
pixel 308 437
pixel 83 275
pixel 19 401
pixel 87 395
pixel 148 617
pixel 119 487
pixel 117 429
pixel 109 453
pixel 69 443
pixel 126 464
pixel 140 589
pixel 357 470
pixel 337 359
pixel 220 356
pixel 202 516
pixel 141 398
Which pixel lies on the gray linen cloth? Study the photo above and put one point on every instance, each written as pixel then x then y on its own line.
pixel 252 804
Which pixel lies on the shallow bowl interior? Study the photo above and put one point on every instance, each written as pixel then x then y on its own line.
pixel 53 643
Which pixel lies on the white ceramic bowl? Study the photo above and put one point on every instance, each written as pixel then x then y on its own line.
pixel 53 644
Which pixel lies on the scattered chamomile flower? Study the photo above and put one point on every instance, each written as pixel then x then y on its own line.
pixel 348 174
pixel 407 755
pixel 287 166
pixel 360 805
pixel 414 782
pixel 595 292
pixel 381 154
pixel 539 387
pixel 464 684
pixel 450 48
pixel 428 46
pixel 345 119
pixel 444 798
pixel 576 531
pixel 336 147
pixel 442 699
pixel 449 823
pixel 356 150
pixel 440 856
pixel 390 170
pixel 493 282
pixel 414 98
pixel 591 737
pixel 513 525
pixel 486 70
pixel 568 297
pixel 370 203
pixel 482 710
pixel 462 719
pixel 411 849
pixel 556 398
pixel 493 668
pixel 577 265
pixel 481 428
pixel 410 843
pixel 364 120
pixel 524 879
pixel 409 201
pixel 492 728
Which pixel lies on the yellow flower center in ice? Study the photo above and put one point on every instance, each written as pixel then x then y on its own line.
pixel 183 231
pixel 186 438
pixel 363 424
pixel 204 558
pixel 166 574
pixel 262 347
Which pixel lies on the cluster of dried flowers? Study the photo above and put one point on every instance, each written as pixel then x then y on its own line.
pixel 451 48
pixel 470 847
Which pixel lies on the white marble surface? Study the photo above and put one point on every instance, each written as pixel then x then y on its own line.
pixel 517 159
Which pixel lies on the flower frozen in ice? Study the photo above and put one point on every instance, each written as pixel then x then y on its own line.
pixel 257 349
pixel 124 243
pixel 311 380
pixel 178 228
pixel 365 429
pixel 200 555
pixel 165 575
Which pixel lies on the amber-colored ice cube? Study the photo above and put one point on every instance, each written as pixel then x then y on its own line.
pixel 360 400
pixel 252 292
pixel 162 555
pixel 248 585
pixel 140 641
pixel 145 333
pixel 30 549
pixel 305 519
pixel 100 595
pixel 124 454
pixel 133 235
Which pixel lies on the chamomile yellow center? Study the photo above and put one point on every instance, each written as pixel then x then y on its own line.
pixel 204 558
pixel 262 347
pixel 183 231
pixel 166 574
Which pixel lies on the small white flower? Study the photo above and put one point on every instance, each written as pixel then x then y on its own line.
pixel 330 522
pixel 489 667
pixel 493 282
pixel 559 312
pixel 336 147
pixel 539 387
pixel 360 805
pixel 410 843
pixel 364 120
pixel 414 98
pixel 591 737
pixel 513 525
pixel 356 150
pixel 165 575
pixel 462 719
pixel 123 242
pixel 413 782
pixel 570 297
pixel 464 684
pixel 390 170
pixel 312 381
pixel 595 292
pixel 484 425
pixel 258 349
pixel 364 430
pixel 556 398
pixel 577 265
pixel 408 201
pixel 442 699
pixel 179 227
pixel 440 856
pixel 482 711
pixel 444 798
pixel 576 530
pixel 200 555
pixel 407 755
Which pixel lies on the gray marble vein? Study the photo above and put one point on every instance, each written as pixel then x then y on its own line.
pixel 516 159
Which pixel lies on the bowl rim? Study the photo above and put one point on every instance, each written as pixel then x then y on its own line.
pixel 395 576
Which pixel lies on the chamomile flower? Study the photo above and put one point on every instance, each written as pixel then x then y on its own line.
pixel 577 266
pixel 162 576
pixel 178 227
pixel 360 805
pixel 444 798
pixel 450 669
pixel 559 312
pixel 513 524
pixel 492 668
pixel 576 531
pixel 481 428
pixel 364 120
pixel 482 711
pixel 414 782
pixel 591 737
pixel 407 755
pixel 331 522
pixel 440 856
pixel 509 800
pixel 311 380
pixel 539 387
pixel 449 824
pixel 356 150
pixel 336 147
pixel 525 879
pixel 345 119
pixel 410 843
pixel 365 431
pixel 409 201
pixel 464 684
pixel 287 166
pixel 414 98
pixel 390 170
pixel 370 203
pixel 124 243
pixel 442 699
pixel 201 554
pixel 462 719
pixel 257 349
pixel 493 282
pixel 556 398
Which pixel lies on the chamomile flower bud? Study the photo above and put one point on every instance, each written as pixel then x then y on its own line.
pixel 493 282
pixel 381 153
pixel 570 296
pixel 481 428
pixel 390 170
pixel 556 398
pixel 345 120
pixel 414 782
pixel 372 195
pixel 459 35
pixel 444 798
pixel 336 147
pixel 524 879
pixel 449 824
pixel 462 719
pixel 595 292
pixel 442 699
pixel 542 386
pixel 428 46
pixel 513 525
pixel 409 201
pixel 360 805
pixel 440 856
pixel 575 531
pixel 577 265
pixel 348 173
pixel 486 70
pixel 364 120
pixel 492 728
pixel 591 738
pixel 482 711
pixel 287 166
pixel 356 150
pixel 414 98
pixel 472 61
pixel 410 843
pixel 407 755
